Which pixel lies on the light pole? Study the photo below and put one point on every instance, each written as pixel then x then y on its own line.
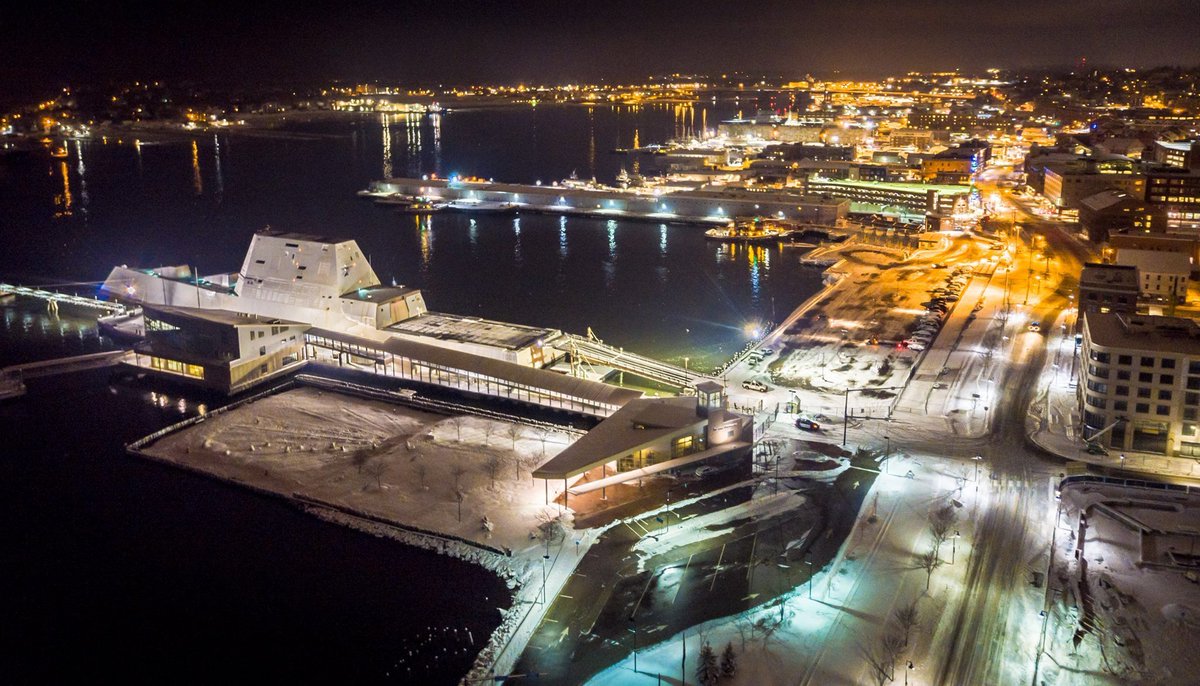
pixel 887 455
pixel 808 561
pixel 544 558
pixel 635 646
pixel 906 671
pixel 953 542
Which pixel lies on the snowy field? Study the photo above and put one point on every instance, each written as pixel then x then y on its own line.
pixel 462 475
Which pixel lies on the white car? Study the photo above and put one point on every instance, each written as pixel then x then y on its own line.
pixel 752 385
pixel 916 345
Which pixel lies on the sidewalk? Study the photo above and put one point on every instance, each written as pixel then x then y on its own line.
pixel 1056 429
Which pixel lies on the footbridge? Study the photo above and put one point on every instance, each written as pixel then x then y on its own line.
pixel 55 298
pixel 592 351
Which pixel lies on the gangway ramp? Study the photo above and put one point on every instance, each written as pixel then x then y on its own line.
pixel 594 352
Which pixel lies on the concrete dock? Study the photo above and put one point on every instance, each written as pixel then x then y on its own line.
pixel 700 205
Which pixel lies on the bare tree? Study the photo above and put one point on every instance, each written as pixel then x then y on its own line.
pixel 907 618
pixel 460 497
pixel 882 657
pixel 359 459
pixel 422 470
pixel 375 469
pixel 940 523
pixel 514 432
pixel 458 471
pixel 552 527
pixel 493 464
pixel 543 434
pixel 929 561
pixel 457 422
pixel 489 430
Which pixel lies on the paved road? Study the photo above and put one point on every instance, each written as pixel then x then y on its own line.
pixel 999 567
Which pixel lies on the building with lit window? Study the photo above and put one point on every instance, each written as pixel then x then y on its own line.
pixel 652 435
pixel 218 349
pixel 1107 288
pixel 894 198
pixel 1162 275
pixel 1067 184
pixel 1178 154
pixel 1112 212
pixel 1139 383
pixel 1177 193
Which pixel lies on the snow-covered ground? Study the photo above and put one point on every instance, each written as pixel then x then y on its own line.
pixel 1120 610
pixel 821 639
pixel 392 461
pixel 404 466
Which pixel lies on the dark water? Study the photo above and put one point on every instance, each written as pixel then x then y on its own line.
pixel 654 288
pixel 117 568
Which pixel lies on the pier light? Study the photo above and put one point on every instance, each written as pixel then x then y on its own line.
pixel 720 210
pixel 562 200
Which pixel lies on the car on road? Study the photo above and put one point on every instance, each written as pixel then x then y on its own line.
pixel 915 345
pixel 754 385
pixel 766 351
pixel 807 424
pixel 1096 449
pixel 705 471
pixel 1035 326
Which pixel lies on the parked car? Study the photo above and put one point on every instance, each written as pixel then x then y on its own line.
pixel 753 385
pixel 1035 326
pixel 705 471
pixel 767 352
pixel 807 424
pixel 915 345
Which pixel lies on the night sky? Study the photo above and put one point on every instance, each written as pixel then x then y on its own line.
pixel 52 44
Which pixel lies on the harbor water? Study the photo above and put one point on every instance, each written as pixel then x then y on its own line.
pixel 118 567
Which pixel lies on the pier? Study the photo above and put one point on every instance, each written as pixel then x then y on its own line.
pixel 12 378
pixel 56 298
pixel 692 205
pixel 589 351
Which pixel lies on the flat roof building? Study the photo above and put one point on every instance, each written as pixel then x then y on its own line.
pixel 1139 382
pixel 1160 274
pixel 1107 288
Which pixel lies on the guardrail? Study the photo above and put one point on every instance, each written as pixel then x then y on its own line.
pixel 1127 483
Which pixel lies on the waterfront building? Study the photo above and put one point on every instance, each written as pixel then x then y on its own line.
pixel 895 198
pixel 1139 382
pixel 652 435
pixel 218 349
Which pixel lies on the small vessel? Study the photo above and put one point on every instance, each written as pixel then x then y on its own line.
pixel 59 152
pixel 421 207
pixel 755 230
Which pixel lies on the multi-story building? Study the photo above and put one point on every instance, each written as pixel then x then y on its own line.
pixel 1162 275
pixel 1139 383
pixel 1112 212
pixel 901 198
pixel 1067 184
pixel 1178 154
pixel 1108 288
pixel 957 119
pixel 1177 193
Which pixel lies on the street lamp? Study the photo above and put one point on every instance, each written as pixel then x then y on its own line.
pixel 811 576
pixel 906 671
pixel 635 645
pixel 887 455
pixel 953 542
